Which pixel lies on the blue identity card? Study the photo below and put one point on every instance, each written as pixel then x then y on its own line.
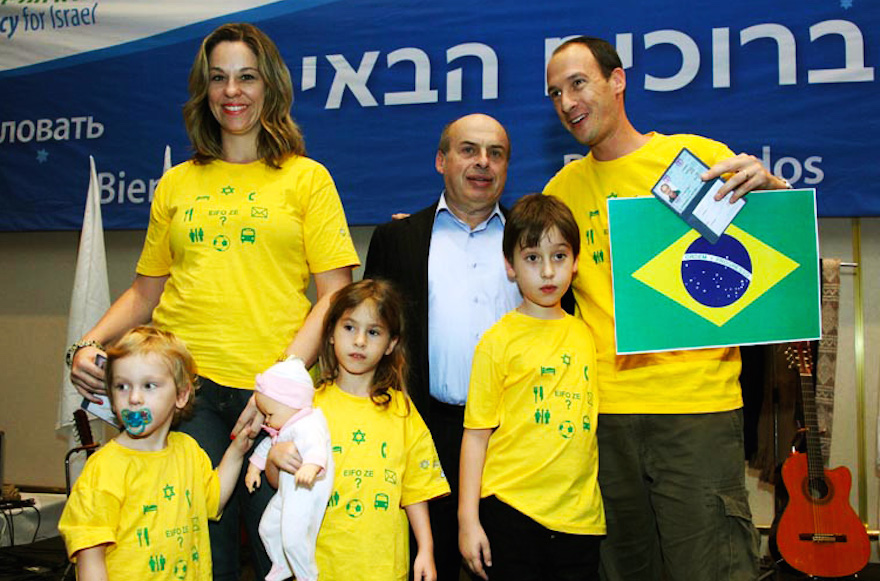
pixel 682 191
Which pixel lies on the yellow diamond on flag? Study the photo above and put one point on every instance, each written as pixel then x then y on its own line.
pixel 716 282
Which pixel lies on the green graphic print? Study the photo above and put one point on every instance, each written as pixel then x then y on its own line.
pixel 213 220
pixel 563 397
pixel 179 552
pixel 368 473
pixel 355 462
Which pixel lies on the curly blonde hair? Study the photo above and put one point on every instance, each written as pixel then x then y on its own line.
pixel 146 340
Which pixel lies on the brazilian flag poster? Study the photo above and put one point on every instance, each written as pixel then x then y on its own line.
pixel 759 283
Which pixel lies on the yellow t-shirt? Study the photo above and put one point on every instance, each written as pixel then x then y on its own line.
pixel 698 381
pixel 239 242
pixel 534 381
pixel 385 460
pixel 151 507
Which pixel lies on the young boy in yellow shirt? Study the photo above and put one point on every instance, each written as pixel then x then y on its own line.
pixel 140 508
pixel 530 506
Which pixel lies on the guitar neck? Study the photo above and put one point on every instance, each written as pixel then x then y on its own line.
pixel 83 429
pixel 815 462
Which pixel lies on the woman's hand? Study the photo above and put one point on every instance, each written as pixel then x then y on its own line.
pixel 134 307
pixel 250 419
pixel 85 375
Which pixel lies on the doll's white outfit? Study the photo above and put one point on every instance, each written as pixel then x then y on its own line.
pixel 290 523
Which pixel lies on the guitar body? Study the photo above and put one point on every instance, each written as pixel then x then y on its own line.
pixel 819 533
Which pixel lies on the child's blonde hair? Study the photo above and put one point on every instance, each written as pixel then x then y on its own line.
pixel 391 371
pixel 145 340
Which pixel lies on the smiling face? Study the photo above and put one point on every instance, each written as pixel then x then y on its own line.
pixel 360 340
pixel 145 398
pixel 543 273
pixel 588 105
pixel 236 90
pixel 475 166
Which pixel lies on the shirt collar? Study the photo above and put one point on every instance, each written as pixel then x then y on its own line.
pixel 442 206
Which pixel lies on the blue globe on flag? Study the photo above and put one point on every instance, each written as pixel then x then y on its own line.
pixel 716 275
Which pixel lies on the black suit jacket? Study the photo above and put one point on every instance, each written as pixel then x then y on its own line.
pixel 399 253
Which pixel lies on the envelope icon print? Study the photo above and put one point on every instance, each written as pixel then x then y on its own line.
pixel 257 212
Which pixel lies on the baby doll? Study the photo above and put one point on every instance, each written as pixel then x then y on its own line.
pixel 290 524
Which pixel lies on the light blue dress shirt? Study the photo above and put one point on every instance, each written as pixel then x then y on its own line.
pixel 468 291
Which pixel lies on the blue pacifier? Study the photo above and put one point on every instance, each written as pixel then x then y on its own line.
pixel 136 421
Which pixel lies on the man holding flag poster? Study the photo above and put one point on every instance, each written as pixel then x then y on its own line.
pixel 671 453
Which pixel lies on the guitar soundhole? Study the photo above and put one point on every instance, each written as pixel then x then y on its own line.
pixel 818 490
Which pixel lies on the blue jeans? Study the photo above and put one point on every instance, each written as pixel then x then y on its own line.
pixel 675 498
pixel 216 410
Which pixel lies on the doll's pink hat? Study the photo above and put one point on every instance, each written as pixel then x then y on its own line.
pixel 287 382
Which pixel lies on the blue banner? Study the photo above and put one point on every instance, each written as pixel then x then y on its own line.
pixel 793 83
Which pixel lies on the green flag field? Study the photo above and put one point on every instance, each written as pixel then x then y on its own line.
pixel 674 290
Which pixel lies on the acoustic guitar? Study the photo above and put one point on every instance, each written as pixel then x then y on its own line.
pixel 819 533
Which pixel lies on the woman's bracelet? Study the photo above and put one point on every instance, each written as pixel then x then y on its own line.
pixel 71 351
